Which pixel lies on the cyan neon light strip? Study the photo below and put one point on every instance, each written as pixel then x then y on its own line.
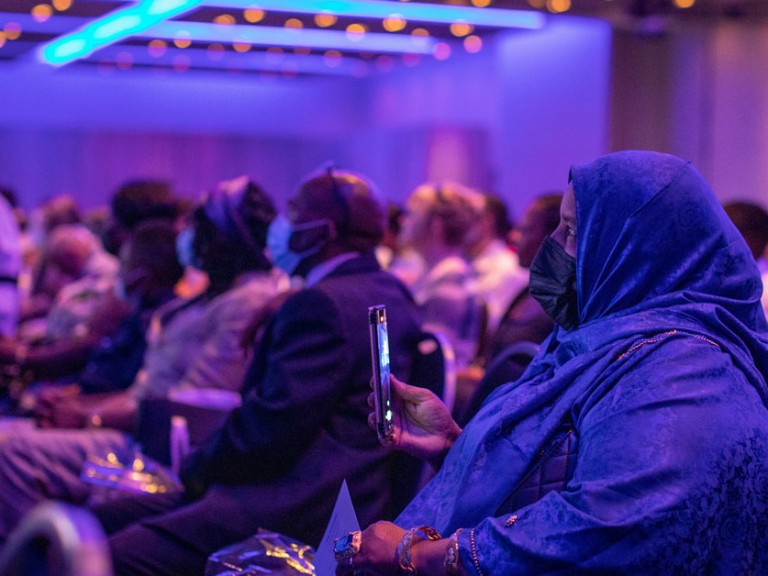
pixel 137 20
pixel 412 11
pixel 306 38
pixel 112 28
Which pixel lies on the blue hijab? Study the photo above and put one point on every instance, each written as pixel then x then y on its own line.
pixel 655 253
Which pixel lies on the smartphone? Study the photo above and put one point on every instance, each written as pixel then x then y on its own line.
pixel 377 319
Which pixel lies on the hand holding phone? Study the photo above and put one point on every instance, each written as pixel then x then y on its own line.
pixel 377 318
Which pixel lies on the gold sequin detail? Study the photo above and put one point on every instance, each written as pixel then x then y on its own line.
pixel 660 337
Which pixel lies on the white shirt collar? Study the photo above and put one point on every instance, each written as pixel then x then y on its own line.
pixel 324 268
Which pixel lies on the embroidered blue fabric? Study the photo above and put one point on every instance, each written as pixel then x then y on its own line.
pixel 664 382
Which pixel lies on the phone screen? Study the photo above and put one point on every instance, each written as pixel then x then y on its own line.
pixel 377 317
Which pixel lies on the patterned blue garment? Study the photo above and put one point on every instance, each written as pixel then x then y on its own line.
pixel 662 384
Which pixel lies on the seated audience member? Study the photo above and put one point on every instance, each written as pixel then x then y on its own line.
pixel 440 226
pixel 388 248
pixel 500 277
pixel 61 210
pixel 134 201
pixel 79 278
pixel 194 344
pixel 107 357
pixel 752 221
pixel 150 271
pixel 280 459
pixel 10 267
pixel 402 261
pixel 523 321
pixel 74 276
pixel 636 441
pixel 79 275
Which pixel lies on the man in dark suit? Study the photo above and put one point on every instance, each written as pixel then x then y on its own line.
pixel 280 459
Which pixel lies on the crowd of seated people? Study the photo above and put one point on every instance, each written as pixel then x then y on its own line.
pixel 556 469
pixel 70 308
pixel 192 343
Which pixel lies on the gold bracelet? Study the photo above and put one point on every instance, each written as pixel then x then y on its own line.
pixel 406 543
pixel 451 561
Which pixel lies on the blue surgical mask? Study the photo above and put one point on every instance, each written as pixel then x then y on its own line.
pixel 279 239
pixel 185 251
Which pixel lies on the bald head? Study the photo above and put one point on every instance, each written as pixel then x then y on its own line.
pixel 346 199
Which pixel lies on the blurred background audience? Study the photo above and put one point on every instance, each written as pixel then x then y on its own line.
pixel 523 321
pixel 440 225
pixel 192 344
pixel 500 277
pixel 752 221
pixel 10 265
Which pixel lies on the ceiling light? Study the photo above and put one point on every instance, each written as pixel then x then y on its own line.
pixel 112 28
pixel 278 36
pixel 411 11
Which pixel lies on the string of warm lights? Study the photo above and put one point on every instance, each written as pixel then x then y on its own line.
pixel 326 33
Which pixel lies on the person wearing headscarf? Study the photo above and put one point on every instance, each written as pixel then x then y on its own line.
pixel 637 440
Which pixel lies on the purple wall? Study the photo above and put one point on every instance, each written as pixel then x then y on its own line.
pixel 700 92
pixel 509 119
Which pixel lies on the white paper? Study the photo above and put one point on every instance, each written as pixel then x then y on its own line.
pixel 343 520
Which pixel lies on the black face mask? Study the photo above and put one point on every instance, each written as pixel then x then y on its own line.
pixel 553 283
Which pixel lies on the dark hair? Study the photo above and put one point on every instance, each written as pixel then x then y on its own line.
pixel 395 215
pixel 752 221
pixel 153 244
pixel 59 211
pixel 348 199
pixel 10 196
pixel 497 208
pixel 458 208
pixel 548 208
pixel 138 200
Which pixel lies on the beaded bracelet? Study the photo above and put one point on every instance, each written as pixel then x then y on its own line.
pixel 475 559
pixel 409 538
pixel 451 561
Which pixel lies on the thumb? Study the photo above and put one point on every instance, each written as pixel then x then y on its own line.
pixel 405 391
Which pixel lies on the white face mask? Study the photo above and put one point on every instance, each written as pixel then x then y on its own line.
pixel 279 239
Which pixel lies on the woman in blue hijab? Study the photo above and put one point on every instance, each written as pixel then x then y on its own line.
pixel 637 440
